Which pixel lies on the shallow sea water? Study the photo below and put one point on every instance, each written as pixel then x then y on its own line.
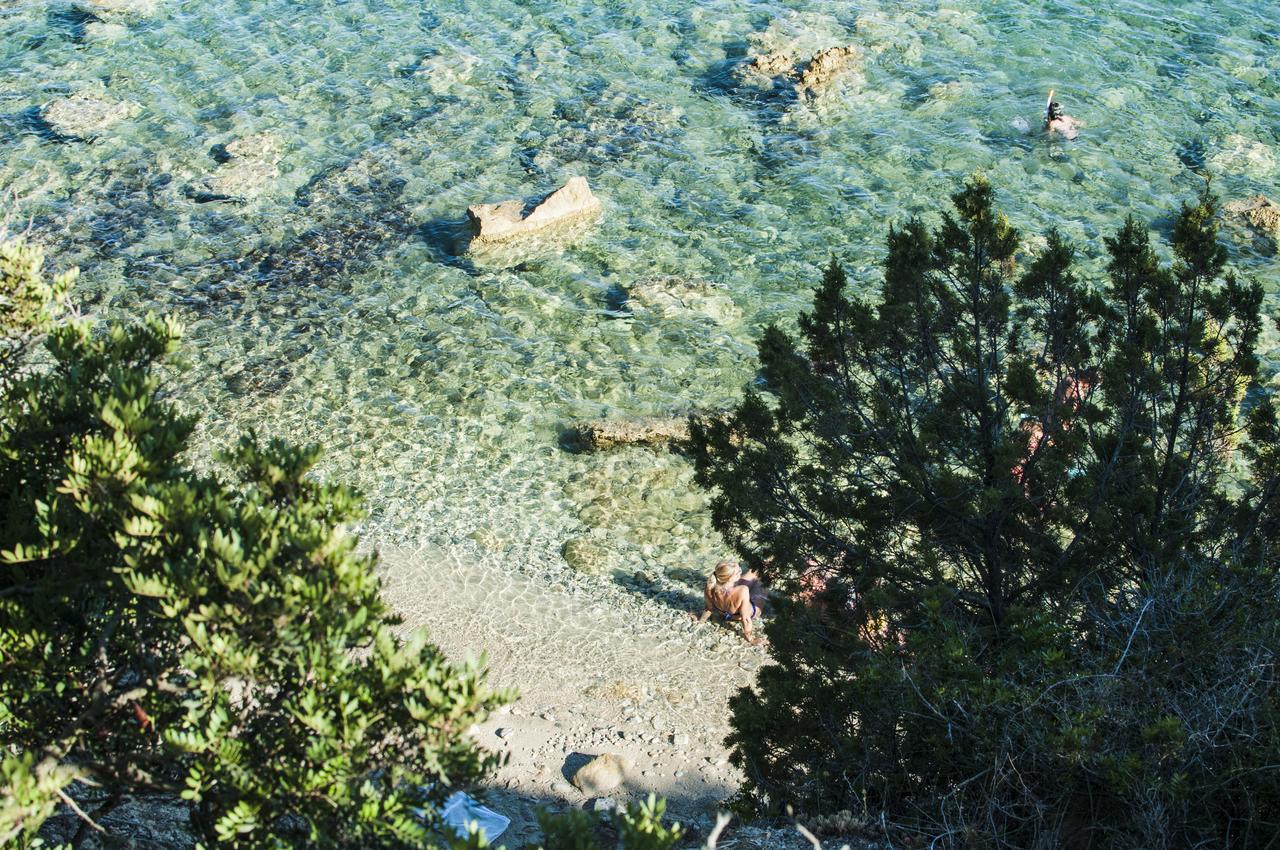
pixel 340 307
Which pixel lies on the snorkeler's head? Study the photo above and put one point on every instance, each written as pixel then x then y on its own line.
pixel 1054 112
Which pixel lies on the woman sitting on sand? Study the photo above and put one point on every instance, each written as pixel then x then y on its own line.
pixel 732 594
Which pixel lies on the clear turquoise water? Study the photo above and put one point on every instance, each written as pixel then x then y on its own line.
pixel 336 308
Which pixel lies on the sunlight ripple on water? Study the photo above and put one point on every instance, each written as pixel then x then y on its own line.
pixel 335 306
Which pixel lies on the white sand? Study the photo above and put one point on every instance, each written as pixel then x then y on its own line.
pixel 600 669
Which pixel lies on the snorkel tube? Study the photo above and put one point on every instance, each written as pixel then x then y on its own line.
pixel 1048 107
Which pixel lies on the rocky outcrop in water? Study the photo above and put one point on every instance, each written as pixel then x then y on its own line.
pixel 250 165
pixel 601 434
pixel 1259 215
pixel 85 116
pixel 794 55
pixel 672 296
pixel 505 221
pixel 767 66
pixel 807 78
pixel 827 67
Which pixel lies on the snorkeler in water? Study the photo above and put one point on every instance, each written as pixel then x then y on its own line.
pixel 1057 121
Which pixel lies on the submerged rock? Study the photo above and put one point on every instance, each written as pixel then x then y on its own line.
pixel 135 8
pixel 602 434
pixel 947 92
pixel 585 555
pixel 1244 155
pixel 602 774
pixel 250 165
pixel 895 35
pixel 371 178
pixel 672 295
pixel 601 128
pixel 503 221
pixel 104 31
pixel 443 71
pixel 1260 215
pixel 83 116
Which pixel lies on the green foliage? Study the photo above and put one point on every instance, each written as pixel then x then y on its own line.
pixel 638 826
pixel 1020 603
pixel 31 793
pixel 573 829
pixel 30 303
pixel 217 637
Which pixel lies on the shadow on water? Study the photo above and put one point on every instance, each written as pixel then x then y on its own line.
pixel 29 122
pixel 569 439
pixel 447 240
pixel 1013 137
pixel 770 103
pixel 333 252
pixel 1192 153
pixel 718 79
pixel 71 22
pixel 616 300
pixel 1164 225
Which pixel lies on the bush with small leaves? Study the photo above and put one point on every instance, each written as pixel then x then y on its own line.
pixel 636 826
pixel 215 636
pixel 573 829
pixel 640 826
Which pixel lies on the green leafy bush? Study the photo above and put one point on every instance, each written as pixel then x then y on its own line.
pixel 1026 554
pixel 217 636
pixel 637 826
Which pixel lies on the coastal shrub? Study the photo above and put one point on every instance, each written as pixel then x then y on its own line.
pixel 636 826
pixel 1022 529
pixel 213 635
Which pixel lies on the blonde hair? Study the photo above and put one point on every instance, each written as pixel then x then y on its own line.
pixel 723 574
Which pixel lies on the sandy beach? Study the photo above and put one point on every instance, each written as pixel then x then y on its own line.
pixel 600 669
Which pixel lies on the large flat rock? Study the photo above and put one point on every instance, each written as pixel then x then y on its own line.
pixel 505 221
pixel 603 434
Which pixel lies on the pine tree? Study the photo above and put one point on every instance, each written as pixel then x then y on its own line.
pixel 984 494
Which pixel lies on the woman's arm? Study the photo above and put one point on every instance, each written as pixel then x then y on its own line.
pixel 706 607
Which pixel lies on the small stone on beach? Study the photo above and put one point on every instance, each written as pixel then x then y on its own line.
pixel 602 774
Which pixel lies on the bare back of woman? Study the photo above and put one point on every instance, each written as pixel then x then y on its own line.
pixel 732 595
